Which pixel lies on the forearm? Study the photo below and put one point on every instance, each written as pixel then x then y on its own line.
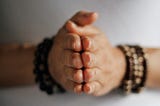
pixel 153 62
pixel 153 66
pixel 16 65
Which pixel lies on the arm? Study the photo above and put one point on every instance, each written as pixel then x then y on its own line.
pixel 16 65
pixel 153 79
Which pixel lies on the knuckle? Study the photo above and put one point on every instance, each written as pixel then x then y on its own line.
pixel 75 56
pixel 74 42
pixel 76 60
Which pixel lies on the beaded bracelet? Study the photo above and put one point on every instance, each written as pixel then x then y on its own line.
pixel 43 77
pixel 136 69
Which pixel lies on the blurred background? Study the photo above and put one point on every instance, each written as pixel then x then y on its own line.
pixel 123 21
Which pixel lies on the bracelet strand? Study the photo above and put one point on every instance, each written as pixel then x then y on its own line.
pixel 136 68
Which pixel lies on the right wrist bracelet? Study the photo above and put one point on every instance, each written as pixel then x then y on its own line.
pixel 136 68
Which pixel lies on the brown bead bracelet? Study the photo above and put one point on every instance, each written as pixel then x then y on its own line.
pixel 136 68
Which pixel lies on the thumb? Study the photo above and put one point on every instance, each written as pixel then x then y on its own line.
pixel 71 27
pixel 83 18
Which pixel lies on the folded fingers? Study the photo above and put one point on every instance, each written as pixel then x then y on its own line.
pixel 71 59
pixel 89 59
pixel 73 87
pixel 72 42
pixel 75 75
pixel 92 88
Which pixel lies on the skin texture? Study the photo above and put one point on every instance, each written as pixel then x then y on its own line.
pixel 65 60
pixel 69 59
pixel 104 64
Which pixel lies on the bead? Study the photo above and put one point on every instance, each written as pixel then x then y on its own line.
pixel 136 67
pixel 136 73
pixel 128 53
pixel 128 87
pixel 140 74
pixel 135 61
pixel 140 59
pixel 135 56
pixel 133 50
pixel 129 82
pixel 41 67
pixel 127 91
pixel 138 80
pixel 141 68
pixel 49 90
pixel 42 86
pixel 126 48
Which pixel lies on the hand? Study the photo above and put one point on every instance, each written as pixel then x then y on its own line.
pixel 104 64
pixel 64 58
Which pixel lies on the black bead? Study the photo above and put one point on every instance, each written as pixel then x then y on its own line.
pixel 49 90
pixel 43 87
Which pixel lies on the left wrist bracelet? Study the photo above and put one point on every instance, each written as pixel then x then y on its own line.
pixel 41 71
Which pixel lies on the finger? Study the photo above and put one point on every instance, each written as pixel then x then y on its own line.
pixel 72 42
pixel 92 88
pixel 71 27
pixel 74 75
pixel 91 74
pixel 72 86
pixel 88 44
pixel 72 59
pixel 78 88
pixel 89 60
pixel 83 18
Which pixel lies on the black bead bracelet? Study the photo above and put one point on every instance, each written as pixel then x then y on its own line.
pixel 41 71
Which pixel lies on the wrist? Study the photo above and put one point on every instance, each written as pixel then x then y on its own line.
pixel 121 66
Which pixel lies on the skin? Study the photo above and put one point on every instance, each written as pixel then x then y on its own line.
pixel 66 64
pixel 100 78
pixel 77 44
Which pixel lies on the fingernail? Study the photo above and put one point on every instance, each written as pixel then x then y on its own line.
pixel 88 14
pixel 89 90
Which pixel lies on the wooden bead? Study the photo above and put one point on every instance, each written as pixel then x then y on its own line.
pixel 128 54
pixel 127 91
pixel 126 48
pixel 138 80
pixel 136 72
pixel 136 61
pixel 140 59
pixel 136 67
pixel 135 56
pixel 128 82
pixel 128 87
pixel 141 68
pixel 133 50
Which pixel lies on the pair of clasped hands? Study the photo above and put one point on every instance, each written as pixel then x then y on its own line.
pixel 83 60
